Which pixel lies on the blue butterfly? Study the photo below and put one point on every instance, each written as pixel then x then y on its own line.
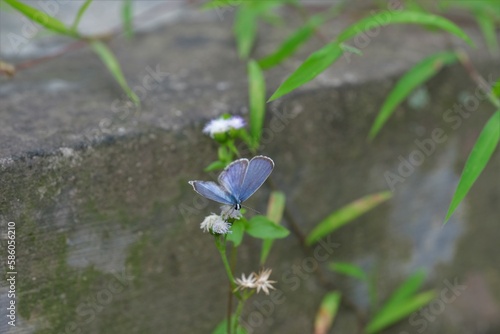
pixel 237 182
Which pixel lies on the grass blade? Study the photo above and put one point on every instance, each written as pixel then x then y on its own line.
pixel 384 18
pixel 388 317
pixel 478 158
pixel 327 312
pixel 257 97
pixel 245 29
pixel 486 23
pixel 113 66
pixel 348 269
pixel 275 209
pixel 416 76
pixel 316 63
pixel 290 45
pixel 41 18
pixel 346 214
pixel 496 89
pixel 128 23
pixel 79 15
pixel 406 290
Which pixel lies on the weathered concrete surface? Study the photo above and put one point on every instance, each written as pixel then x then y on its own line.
pixel 107 226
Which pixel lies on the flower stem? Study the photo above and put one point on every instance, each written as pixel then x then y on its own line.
pixel 237 315
pixel 239 309
pixel 220 242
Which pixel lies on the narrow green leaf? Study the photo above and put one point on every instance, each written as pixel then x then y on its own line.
pixel 406 17
pixel 263 228
pixel 351 49
pixel 402 310
pixel 496 89
pixel 237 231
pixel 113 66
pixel 346 214
pixel 257 97
pixel 79 15
pixel 327 312
pixel 41 18
pixel 405 290
pixel 291 44
pixel 348 269
pixel 216 165
pixel 478 158
pixel 128 23
pixel 487 24
pixel 415 77
pixel 399 298
pixel 316 63
pixel 275 208
pixel 245 29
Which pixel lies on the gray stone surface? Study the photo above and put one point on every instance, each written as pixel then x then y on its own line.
pixel 107 226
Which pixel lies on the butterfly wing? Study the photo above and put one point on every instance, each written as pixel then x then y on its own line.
pixel 259 169
pixel 232 177
pixel 213 191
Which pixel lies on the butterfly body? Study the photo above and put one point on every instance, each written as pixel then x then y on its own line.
pixel 237 182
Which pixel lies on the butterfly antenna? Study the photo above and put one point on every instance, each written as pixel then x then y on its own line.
pixel 247 207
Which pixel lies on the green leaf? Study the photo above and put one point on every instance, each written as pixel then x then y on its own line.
pixel 79 15
pixel 478 158
pixel 263 228
pixel 113 66
pixel 406 17
pixel 346 214
pixel 496 89
pixel 41 18
pixel 245 29
pixel 275 209
pixel 486 22
pixel 128 23
pixel 416 76
pixel 237 231
pixel 316 63
pixel 257 96
pixel 216 165
pixel 388 317
pixel 327 312
pixel 351 49
pixel 348 269
pixel 406 290
pixel 291 44
pixel 222 327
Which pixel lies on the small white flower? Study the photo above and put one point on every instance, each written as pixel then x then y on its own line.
pixel 262 281
pixel 221 125
pixel 246 282
pixel 216 224
pixel 228 211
